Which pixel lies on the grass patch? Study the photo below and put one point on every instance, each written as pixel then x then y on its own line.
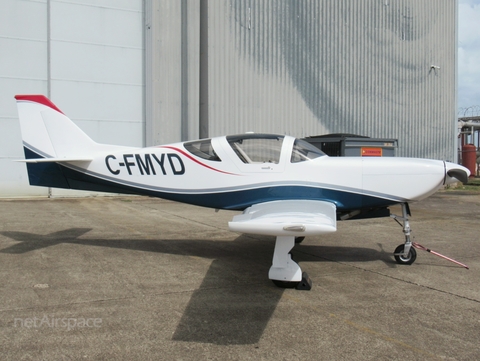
pixel 473 185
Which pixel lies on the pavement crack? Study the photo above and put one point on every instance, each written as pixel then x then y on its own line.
pixel 394 278
pixel 155 294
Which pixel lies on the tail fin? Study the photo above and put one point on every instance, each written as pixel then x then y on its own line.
pixel 52 142
pixel 50 136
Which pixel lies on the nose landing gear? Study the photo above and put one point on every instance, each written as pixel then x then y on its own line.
pixel 405 253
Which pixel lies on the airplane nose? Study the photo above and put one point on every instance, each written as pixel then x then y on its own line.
pixel 455 172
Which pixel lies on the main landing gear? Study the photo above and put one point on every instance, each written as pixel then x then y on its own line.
pixel 405 253
pixel 285 272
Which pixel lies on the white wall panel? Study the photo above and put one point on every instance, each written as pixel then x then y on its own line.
pixel 132 5
pixel 97 68
pixel 89 57
pixel 23 59
pixel 23 69
pixel 97 63
pixel 114 122
pixel 23 19
pixel 98 23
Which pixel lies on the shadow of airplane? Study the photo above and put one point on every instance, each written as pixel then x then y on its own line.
pixel 235 301
pixel 31 242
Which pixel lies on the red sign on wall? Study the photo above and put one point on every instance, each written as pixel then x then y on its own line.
pixel 371 152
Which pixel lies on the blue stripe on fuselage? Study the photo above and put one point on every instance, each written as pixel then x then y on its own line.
pixel 59 176
pixel 44 174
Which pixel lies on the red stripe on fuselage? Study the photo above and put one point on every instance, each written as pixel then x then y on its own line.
pixel 195 160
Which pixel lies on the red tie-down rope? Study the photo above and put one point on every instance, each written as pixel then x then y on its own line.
pixel 419 246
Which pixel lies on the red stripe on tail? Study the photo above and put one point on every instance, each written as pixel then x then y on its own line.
pixel 38 98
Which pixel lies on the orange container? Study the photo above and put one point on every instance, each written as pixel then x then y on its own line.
pixel 469 158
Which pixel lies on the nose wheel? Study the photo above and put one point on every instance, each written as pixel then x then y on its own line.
pixel 400 257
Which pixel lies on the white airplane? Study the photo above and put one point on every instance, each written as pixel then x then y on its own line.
pixel 285 186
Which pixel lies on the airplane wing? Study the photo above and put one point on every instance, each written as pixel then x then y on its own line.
pixel 287 218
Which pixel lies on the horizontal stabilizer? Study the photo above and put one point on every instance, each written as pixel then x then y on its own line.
pixel 287 218
pixel 54 160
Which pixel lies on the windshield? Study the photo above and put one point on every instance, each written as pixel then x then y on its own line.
pixel 203 149
pixel 257 148
pixel 303 151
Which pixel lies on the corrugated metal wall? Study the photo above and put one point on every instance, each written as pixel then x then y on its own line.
pixel 315 67
pixel 172 70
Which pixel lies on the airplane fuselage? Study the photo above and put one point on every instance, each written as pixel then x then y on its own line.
pixel 228 182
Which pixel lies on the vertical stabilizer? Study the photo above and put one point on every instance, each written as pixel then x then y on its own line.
pixel 47 132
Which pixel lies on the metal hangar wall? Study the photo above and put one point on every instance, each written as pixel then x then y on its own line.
pixel 384 68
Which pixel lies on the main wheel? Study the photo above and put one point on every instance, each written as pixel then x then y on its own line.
pixel 401 259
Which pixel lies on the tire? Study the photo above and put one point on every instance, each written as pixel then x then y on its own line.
pixel 412 255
